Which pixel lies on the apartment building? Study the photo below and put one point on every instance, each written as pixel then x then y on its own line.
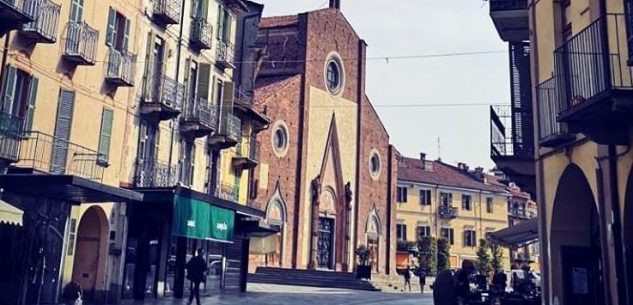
pixel 127 141
pixel 579 55
pixel 444 201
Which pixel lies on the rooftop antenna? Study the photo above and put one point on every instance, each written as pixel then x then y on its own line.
pixel 439 148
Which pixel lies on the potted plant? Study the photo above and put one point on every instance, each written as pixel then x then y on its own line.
pixel 363 269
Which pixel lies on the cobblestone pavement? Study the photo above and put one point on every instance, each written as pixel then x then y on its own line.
pixel 262 294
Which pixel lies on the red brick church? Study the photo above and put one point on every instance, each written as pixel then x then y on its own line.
pixel 327 172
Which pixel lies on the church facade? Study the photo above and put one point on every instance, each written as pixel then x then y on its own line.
pixel 327 172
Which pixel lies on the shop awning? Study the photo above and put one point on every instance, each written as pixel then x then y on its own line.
pixel 193 218
pixel 10 214
pixel 65 188
pixel 521 234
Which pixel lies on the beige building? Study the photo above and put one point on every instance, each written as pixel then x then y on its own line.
pixel 579 53
pixel 440 200
pixel 112 113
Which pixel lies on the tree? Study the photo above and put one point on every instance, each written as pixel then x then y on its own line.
pixel 427 254
pixel 483 258
pixel 363 255
pixel 497 257
pixel 443 254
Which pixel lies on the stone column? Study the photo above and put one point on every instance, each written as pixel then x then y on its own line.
pixel 316 194
pixel 347 210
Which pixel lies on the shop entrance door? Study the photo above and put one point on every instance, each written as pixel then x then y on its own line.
pixel 581 275
pixel 325 243
pixel 372 246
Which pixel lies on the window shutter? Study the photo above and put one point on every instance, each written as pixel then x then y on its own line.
pixel 9 89
pixel 106 135
pixel 204 75
pixel 111 29
pixel 62 131
pixel 466 235
pixel 188 98
pixel 142 141
pixel 220 22
pixel 227 97
pixel 192 162
pixel 148 76
pixel 30 112
pixel 227 27
pixel 205 9
pixel 126 36
pixel 194 8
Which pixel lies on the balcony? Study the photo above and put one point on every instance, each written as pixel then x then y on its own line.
pixel 14 13
pixel 224 55
pixel 44 28
pixel 511 19
pixel 447 212
pixel 162 98
pixel 518 213
pixel 247 155
pixel 167 11
pixel 244 109
pixel 121 68
pixel 10 136
pixel 596 84
pixel 512 153
pixel 201 35
pixel 552 133
pixel 229 134
pixel 155 174
pixel 44 153
pixel 200 119
pixel 81 43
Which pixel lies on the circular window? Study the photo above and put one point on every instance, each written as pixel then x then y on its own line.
pixel 374 164
pixel 334 74
pixel 280 138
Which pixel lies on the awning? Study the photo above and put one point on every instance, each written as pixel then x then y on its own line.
pixel 257 227
pixel 10 214
pixel 521 234
pixel 65 188
pixel 198 219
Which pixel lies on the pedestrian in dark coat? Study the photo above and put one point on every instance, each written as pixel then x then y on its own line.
pixel 422 275
pixel 196 268
pixel 407 279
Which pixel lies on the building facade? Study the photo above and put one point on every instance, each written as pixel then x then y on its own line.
pixel 521 208
pixel 135 122
pixel 326 173
pixel 455 203
pixel 579 54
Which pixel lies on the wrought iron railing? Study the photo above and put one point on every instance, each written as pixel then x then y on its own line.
pixel 448 212
pixel 46 153
pixel 121 66
pixel 502 140
pixel 201 111
pixel 81 41
pixel 225 52
pixel 27 7
pixel 593 62
pixel 548 109
pixel 10 135
pixel 249 150
pixel 46 20
pixel 155 174
pixel 165 90
pixel 168 10
pixel 232 126
pixel 518 212
pixel 507 5
pixel 201 33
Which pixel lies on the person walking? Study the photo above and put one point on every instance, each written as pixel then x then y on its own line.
pixel 196 268
pixel 422 275
pixel 407 279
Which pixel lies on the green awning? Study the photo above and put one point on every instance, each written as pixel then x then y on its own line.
pixel 200 220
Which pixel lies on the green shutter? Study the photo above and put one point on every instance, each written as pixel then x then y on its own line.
pixel 111 29
pixel 205 9
pixel 204 75
pixel 106 135
pixel 220 22
pixel 30 112
pixel 126 37
pixel 62 131
pixel 9 89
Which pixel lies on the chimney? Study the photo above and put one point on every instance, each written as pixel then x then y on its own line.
pixel 479 170
pixel 462 166
pixel 335 4
pixel 422 156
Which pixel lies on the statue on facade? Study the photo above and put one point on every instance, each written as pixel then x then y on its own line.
pixel 316 189
pixel 348 195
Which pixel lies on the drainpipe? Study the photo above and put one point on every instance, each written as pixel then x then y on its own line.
pixel 173 121
pixel 5 54
pixel 616 226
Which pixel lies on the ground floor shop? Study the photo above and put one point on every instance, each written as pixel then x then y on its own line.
pixel 169 226
pixel 32 260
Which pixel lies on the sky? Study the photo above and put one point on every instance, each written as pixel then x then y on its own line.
pixel 395 28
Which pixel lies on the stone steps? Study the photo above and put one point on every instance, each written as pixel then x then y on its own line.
pixel 312 278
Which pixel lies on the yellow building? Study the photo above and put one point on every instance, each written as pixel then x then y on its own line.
pixel 115 116
pixel 579 53
pixel 440 200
